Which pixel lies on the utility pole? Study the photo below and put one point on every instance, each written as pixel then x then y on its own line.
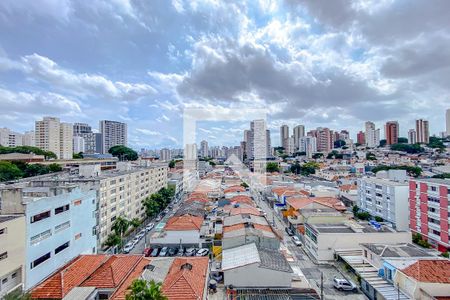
pixel 321 286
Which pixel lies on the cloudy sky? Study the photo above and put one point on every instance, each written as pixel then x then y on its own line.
pixel 333 63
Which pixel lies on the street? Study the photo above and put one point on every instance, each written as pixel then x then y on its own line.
pixel 311 270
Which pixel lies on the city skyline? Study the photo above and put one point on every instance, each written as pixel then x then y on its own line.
pixel 326 68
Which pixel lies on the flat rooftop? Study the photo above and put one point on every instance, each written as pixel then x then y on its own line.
pixel 349 228
pixel 403 250
pixel 435 180
pixel 7 218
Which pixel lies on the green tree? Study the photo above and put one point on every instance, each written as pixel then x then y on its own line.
pixel 9 171
pixel 135 223
pixel 412 171
pixel 141 289
pixel 172 164
pixel 27 150
pixel 272 167
pixel 402 140
pixel 382 143
pixel 317 155
pixel 54 168
pixel 436 143
pixel 339 143
pixel 78 155
pixel 152 208
pixel 370 156
pixel 112 240
pixel 378 219
pixel 17 295
pixel 416 148
pixel 123 153
pixel 244 185
pixel 355 209
pixel 334 154
pixel 442 176
pixel 120 227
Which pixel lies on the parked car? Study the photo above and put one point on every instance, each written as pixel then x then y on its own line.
pixel 181 251
pixel 164 251
pixel 191 251
pixel 147 252
pixel 158 218
pixel 149 226
pixel 128 248
pixel 202 252
pixel 289 231
pixel 155 252
pixel 296 240
pixel 172 251
pixel 343 284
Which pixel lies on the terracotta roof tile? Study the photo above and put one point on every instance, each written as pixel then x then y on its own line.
pixel 121 291
pixel 299 203
pixel 68 277
pixel 184 222
pixel 184 283
pixel 113 271
pixel 234 189
pixel 330 202
pixel 242 199
pixel 436 271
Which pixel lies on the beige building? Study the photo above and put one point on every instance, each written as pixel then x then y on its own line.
pixel 52 135
pixel 12 252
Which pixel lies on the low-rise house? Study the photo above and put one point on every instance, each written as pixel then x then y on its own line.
pixel 90 277
pixel 248 266
pixel 322 240
pixel 241 234
pixel 425 279
pixel 179 230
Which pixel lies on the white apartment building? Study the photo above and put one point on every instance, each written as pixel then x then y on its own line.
pixel 204 149
pixel 412 138
pixel 259 139
pixel 372 135
pixel 308 144
pixel 165 155
pixel 9 138
pixel 78 144
pixel 52 135
pixel 386 196
pixel 121 191
pixel 60 224
pixel 422 131
pixel 299 132
pixel 12 252
pixel 113 134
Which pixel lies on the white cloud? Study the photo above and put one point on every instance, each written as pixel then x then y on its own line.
pixel 148 132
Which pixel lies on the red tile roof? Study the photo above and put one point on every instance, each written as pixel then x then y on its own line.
pixel 244 210
pixel 242 199
pixel 299 203
pixel 330 202
pixel 71 275
pixel 121 291
pixel 234 189
pixel 113 271
pixel 184 222
pixel 436 271
pixel 184 283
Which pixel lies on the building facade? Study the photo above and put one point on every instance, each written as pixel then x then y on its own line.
pixel 386 198
pixel 60 224
pixel 429 210
pixel 299 132
pixel 52 135
pixel 372 135
pixel 284 135
pixel 392 131
pixel 113 133
pixel 422 132
pixel 361 138
pixel 12 252
pixel 204 149
pixel 412 136
pixel 308 144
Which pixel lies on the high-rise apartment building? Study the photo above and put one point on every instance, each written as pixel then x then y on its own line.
pixel 204 149
pixel 92 141
pixel 429 210
pixel 29 138
pixel 259 142
pixel 52 135
pixel 78 144
pixel 165 155
pixel 284 135
pixel 447 122
pixel 290 147
pixel 9 138
pixel 361 138
pixel 80 128
pixel 299 132
pixel 308 144
pixel 391 132
pixel 412 136
pixel 422 131
pixel 324 139
pixel 113 134
pixel 372 135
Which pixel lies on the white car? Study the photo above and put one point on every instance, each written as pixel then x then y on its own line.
pixel 342 284
pixel 150 226
pixel 296 240
pixel 128 248
pixel 202 252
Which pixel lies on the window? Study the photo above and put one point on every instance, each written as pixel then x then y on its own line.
pixel 62 226
pixel 433 188
pixel 61 209
pixel 4 255
pixel 41 236
pixel 4 280
pixel 14 275
pixel 77 202
pixel 62 247
pixel 3 231
pixel 39 217
pixel 40 260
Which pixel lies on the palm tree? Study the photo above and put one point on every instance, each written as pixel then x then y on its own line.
pixel 120 226
pixel 135 223
pixel 144 290
pixel 112 240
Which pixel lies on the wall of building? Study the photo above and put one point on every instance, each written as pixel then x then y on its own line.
pixel 254 276
pixel 79 232
pixel 12 242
